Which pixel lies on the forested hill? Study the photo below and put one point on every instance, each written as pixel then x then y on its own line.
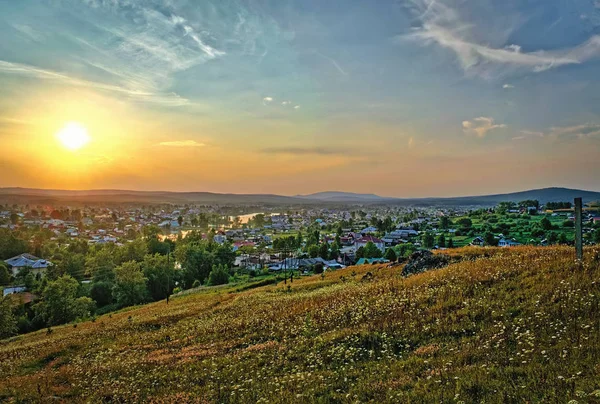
pixel 39 196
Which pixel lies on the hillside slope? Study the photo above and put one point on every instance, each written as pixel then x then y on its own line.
pixel 502 325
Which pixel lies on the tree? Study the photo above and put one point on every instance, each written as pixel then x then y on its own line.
pixel 562 239
pixel 445 222
pixel 490 239
pixel 60 303
pixel 568 223
pixel 4 274
pixel 324 251
pixel 159 273
pixel 101 292
pixel 441 241
pixel 313 251
pixel 428 240
pixel 390 255
pixel 372 251
pixel 546 224
pixel 450 243
pixel 180 220
pixel 360 252
pixel 552 237
pixel 130 284
pixel 218 276
pixel 14 218
pixel 8 321
pixel 465 223
pixel 597 235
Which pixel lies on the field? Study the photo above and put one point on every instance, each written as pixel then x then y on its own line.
pixel 497 326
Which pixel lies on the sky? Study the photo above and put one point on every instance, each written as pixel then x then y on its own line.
pixel 405 98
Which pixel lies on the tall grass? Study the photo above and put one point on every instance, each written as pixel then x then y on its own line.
pixel 501 325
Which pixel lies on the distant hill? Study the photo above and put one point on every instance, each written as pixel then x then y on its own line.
pixel 332 196
pixel 41 196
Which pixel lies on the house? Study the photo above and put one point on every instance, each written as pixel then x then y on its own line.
pixel 25 260
pixel 361 242
pixel 505 242
pixel 478 241
pixel 368 230
pixel 12 290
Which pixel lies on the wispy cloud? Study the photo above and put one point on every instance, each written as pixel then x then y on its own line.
pixel 452 28
pixel 168 99
pixel 507 86
pixel 181 143
pixel 564 133
pixel 267 100
pixel 480 126
pixel 323 151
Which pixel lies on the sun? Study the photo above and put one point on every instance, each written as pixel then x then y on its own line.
pixel 73 136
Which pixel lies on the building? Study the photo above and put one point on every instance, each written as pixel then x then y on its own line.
pixel 37 265
pixel 362 242
pixel 504 242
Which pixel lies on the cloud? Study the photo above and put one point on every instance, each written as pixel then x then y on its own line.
pixel 447 27
pixel 286 103
pixel 507 86
pixel 322 151
pixel 167 99
pixel 181 143
pixel 565 133
pixel 297 107
pixel 480 126
pixel 267 100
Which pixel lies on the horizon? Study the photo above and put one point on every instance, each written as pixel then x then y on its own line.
pixel 399 98
pixel 300 195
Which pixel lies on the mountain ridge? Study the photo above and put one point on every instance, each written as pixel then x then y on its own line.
pixel 33 195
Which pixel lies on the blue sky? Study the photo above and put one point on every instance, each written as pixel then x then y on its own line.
pixel 404 98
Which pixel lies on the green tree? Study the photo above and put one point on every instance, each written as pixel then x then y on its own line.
pixel 441 241
pixel 562 239
pixel 546 224
pixel 218 276
pixel 60 303
pixel 372 251
pixel 490 239
pixel 159 273
pixel 313 251
pixel 101 292
pixel 130 285
pixel 465 223
pixel 390 254
pixel 180 220
pixel 324 251
pixel 4 274
pixel 428 240
pixel 450 243
pixel 8 321
pixel 445 222
pixel 360 252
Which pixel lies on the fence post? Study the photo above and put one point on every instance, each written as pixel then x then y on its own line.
pixel 578 228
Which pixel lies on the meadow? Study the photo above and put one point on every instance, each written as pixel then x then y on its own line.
pixel 496 326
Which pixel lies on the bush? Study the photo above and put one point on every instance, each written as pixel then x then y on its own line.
pixel 196 284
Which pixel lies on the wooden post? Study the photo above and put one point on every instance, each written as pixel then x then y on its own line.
pixel 578 228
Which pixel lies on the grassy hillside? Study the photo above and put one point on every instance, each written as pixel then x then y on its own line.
pixel 502 325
